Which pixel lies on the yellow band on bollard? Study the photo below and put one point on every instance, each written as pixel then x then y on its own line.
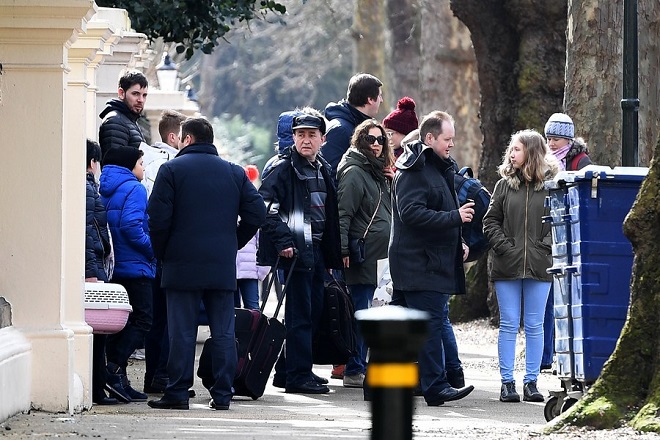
pixel 392 375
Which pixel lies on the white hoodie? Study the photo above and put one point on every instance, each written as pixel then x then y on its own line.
pixel 153 158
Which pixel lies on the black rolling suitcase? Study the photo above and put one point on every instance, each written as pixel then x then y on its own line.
pixel 259 342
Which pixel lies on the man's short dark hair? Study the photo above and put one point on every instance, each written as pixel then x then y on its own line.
pixel 198 128
pixel 93 151
pixel 131 77
pixel 170 122
pixel 361 87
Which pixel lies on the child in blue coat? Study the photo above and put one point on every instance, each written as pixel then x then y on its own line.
pixel 125 200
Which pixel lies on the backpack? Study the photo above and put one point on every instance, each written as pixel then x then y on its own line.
pixel 335 341
pixel 467 187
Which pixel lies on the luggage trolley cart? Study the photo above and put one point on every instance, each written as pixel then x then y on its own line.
pixel 592 277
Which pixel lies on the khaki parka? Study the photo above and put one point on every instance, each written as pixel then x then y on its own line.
pixel 520 241
pixel 358 194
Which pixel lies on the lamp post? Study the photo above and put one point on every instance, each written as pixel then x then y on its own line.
pixel 167 74
pixel 630 101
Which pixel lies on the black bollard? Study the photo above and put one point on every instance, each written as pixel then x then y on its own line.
pixel 394 336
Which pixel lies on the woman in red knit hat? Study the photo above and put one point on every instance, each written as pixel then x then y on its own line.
pixel 400 122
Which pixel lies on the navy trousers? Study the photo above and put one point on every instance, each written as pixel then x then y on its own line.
pixel 182 315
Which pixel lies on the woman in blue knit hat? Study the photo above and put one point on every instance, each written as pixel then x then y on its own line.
pixel 571 152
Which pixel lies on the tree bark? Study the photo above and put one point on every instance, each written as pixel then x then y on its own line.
pixel 594 73
pixel 649 92
pixel 369 33
pixel 520 51
pixel 403 50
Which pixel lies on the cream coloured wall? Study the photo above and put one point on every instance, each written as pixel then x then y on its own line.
pixel 45 358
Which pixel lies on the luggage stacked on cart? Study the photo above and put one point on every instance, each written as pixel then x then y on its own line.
pixel 592 266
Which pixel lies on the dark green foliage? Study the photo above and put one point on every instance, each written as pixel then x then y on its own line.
pixel 193 24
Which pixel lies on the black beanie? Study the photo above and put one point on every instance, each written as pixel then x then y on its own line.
pixel 125 157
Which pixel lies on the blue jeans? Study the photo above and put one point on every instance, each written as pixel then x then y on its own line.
pixel 549 330
pixel 302 314
pixel 361 295
pixel 121 345
pixel 509 295
pixel 182 314
pixel 248 289
pixel 452 361
pixel 432 374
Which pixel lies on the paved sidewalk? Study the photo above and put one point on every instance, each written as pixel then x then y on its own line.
pixel 342 414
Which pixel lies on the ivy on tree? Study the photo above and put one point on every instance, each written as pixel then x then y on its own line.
pixel 193 24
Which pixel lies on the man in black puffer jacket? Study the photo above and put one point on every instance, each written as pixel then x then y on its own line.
pixel 119 127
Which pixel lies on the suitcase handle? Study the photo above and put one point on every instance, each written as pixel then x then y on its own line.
pixel 273 277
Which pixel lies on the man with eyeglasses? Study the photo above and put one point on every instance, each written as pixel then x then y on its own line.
pixel 302 218
pixel 426 250
pixel 363 99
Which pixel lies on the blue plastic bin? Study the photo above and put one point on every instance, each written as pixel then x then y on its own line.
pixel 599 266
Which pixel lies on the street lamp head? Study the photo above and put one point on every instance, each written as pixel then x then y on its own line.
pixel 167 74
pixel 190 93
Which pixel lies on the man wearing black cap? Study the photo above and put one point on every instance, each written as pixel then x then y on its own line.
pixel 302 218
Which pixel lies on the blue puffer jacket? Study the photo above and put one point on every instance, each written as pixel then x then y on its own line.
pixel 125 200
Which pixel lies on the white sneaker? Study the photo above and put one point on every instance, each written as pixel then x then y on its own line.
pixel 354 381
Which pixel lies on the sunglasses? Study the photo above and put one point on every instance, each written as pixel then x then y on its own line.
pixel 371 139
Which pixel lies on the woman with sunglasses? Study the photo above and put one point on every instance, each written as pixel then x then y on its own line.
pixel 365 211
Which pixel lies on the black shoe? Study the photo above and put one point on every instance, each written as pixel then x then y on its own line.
pixel 309 387
pixel 134 394
pixel 546 367
pixel 456 378
pixel 449 394
pixel 508 392
pixel 164 403
pixel 319 379
pixel 105 400
pixel 279 381
pixel 116 390
pixel 531 393
pixel 217 406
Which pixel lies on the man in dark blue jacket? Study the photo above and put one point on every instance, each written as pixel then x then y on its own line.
pixel 302 217
pixel 201 211
pixel 119 127
pixel 426 251
pixel 363 99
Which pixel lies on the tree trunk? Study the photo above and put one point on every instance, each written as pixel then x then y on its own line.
pixel 594 73
pixel 520 52
pixel 649 92
pixel 449 79
pixel 403 51
pixel 628 389
pixel 369 32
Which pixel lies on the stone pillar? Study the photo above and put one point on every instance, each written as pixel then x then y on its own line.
pixel 126 44
pixel 83 54
pixel 36 272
